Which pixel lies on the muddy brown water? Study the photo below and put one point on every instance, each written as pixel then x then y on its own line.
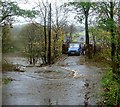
pixel 64 83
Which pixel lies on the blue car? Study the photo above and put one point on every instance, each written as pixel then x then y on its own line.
pixel 74 49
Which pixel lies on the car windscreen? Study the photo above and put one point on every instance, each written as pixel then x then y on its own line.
pixel 74 45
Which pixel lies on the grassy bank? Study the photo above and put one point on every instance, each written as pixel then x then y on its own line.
pixel 110 95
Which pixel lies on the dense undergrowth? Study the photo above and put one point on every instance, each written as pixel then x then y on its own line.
pixel 110 96
pixel 111 92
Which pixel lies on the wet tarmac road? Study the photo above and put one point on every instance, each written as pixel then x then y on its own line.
pixel 64 83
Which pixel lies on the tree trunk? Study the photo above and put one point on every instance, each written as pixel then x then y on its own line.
pixel 49 36
pixel 54 45
pixel 113 47
pixel 30 51
pixel 118 46
pixel 45 50
pixel 87 36
pixel 34 61
pixel 30 60
pixel 94 42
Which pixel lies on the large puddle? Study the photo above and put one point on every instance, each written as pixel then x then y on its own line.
pixel 65 83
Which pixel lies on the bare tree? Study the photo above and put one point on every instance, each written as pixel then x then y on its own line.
pixel 42 10
pixel 59 21
pixel 69 31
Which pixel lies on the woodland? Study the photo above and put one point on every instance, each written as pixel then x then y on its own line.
pixel 42 37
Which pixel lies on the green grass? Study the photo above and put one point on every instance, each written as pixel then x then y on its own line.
pixel 111 94
pixel 6 80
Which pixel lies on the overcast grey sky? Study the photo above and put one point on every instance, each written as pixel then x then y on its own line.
pixel 29 4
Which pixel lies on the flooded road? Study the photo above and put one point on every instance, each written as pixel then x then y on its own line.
pixel 64 83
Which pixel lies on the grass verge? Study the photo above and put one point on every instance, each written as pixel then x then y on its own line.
pixel 98 61
pixel 111 94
